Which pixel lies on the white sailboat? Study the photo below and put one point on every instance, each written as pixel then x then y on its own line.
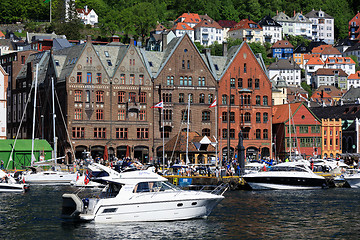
pixel 8 184
pixel 55 175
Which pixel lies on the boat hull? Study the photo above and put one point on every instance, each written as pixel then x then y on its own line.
pixel 7 188
pixel 259 183
pixel 50 178
pixel 353 181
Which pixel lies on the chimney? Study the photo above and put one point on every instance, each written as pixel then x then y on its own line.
pixel 115 38
pixel 88 38
pixel 132 41
pixel 225 49
pixel 164 41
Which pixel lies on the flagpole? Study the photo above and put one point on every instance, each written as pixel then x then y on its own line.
pixel 50 11
pixel 216 134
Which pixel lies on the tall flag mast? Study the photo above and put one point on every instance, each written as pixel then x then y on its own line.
pixel 46 1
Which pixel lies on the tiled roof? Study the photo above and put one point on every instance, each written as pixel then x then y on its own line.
pixel 355 76
pixel 246 24
pixel 281 112
pixel 315 61
pixel 331 51
pixel 339 60
pixel 268 21
pixel 319 49
pixel 315 14
pixel 317 94
pixel 207 24
pixel 330 72
pixel 227 23
pixel 309 56
pixel 332 90
pixel 189 18
pixel 345 112
pixel 282 44
pixel 282 17
pixel 284 64
pixel 181 26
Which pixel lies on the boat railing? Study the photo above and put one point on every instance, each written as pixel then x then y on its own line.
pixel 221 189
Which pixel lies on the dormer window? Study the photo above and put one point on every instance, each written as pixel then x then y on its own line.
pixel 106 54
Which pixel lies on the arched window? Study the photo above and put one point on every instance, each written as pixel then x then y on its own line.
pixel 247 118
pixel 265 134
pixel 232 133
pixel 202 98
pixel 258 134
pixel 205 132
pixel 240 83
pixel 205 116
pixel 250 83
pixel 265 117
pixel 257 83
pixel 258 100
pixel 224 133
pixel 265 100
pixel 224 99
pixel 258 117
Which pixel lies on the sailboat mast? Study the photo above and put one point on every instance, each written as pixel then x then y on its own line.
pixel 187 131
pixel 34 114
pixel 54 117
pixel 290 130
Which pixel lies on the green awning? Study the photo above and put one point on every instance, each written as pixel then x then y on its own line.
pixel 6 145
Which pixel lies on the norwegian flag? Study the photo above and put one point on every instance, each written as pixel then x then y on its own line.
pixel 213 104
pixel 158 105
pixel 87 177
pixel 77 176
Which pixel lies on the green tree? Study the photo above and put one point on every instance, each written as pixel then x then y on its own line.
pixel 357 67
pixel 306 87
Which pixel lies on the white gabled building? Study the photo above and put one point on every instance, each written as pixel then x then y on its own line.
pixel 88 17
pixel 207 32
pixel 322 26
pixel 285 69
pixel 344 63
pixel 272 31
pixel 181 28
pixel 302 26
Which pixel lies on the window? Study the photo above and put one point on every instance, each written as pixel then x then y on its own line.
pixel 188 64
pixel 79 77
pixel 191 96
pixel 121 133
pixel 201 81
pixel 202 98
pixel 183 64
pixel 224 99
pixel 132 97
pixel 122 79
pixel 99 114
pixel 303 129
pixel 224 116
pixel 181 97
pixel 185 81
pixel 78 132
pixel 232 82
pixel 78 114
pixel 121 115
pixel 210 98
pixel 89 77
pixel 167 115
pixel 232 117
pixel 121 97
pixel 166 133
pixel 142 115
pixel 244 67
pixel 78 96
pixel 205 132
pixel 184 115
pixel 142 97
pixel 98 78
pixel 258 134
pixel 265 117
pixel 205 116
pixel 190 81
pixel 265 134
pixel 100 133
pixel 181 81
pixel 170 80
pixel 224 133
pixel 265 100
pixel 232 99
pixel 315 129
pixel 232 133
pixel 106 54
pixel 258 117
pixel 142 133
pixel 99 96
pixel 87 96
pixel 258 100
pixel 250 83
pixel 247 118
pixel 257 83
pixel 109 62
pixel 240 83
pixel 141 79
pixel 132 78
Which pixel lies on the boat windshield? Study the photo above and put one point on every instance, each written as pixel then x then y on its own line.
pixel 154 187
pixel 111 190
pixel 287 169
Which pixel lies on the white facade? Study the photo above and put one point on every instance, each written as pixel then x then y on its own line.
pixel 88 17
pixel 302 26
pixel 322 26
pixel 310 69
pixel 180 33
pixel 291 76
pixel 274 32
pixel 344 64
pixel 3 102
pixel 208 35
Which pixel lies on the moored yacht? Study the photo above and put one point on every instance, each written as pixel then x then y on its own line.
pixel 287 175
pixel 352 177
pixel 50 177
pixel 9 184
pixel 141 196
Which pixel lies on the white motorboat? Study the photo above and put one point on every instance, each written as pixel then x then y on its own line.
pixel 50 177
pixel 9 184
pixel 287 175
pixel 141 196
pixel 352 177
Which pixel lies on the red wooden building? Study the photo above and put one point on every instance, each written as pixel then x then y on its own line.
pixel 305 134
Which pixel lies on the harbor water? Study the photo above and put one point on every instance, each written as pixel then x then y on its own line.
pixel 307 214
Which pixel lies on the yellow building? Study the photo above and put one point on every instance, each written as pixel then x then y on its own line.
pixel 331 137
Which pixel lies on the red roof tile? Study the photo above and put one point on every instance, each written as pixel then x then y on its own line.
pixel 189 18
pixel 315 61
pixel 355 76
pixel 245 24
pixel 282 44
pixel 181 26
pixel 281 112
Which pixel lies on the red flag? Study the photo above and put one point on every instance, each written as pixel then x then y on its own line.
pixel 158 105
pixel 213 104
pixel 77 176
pixel 87 178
